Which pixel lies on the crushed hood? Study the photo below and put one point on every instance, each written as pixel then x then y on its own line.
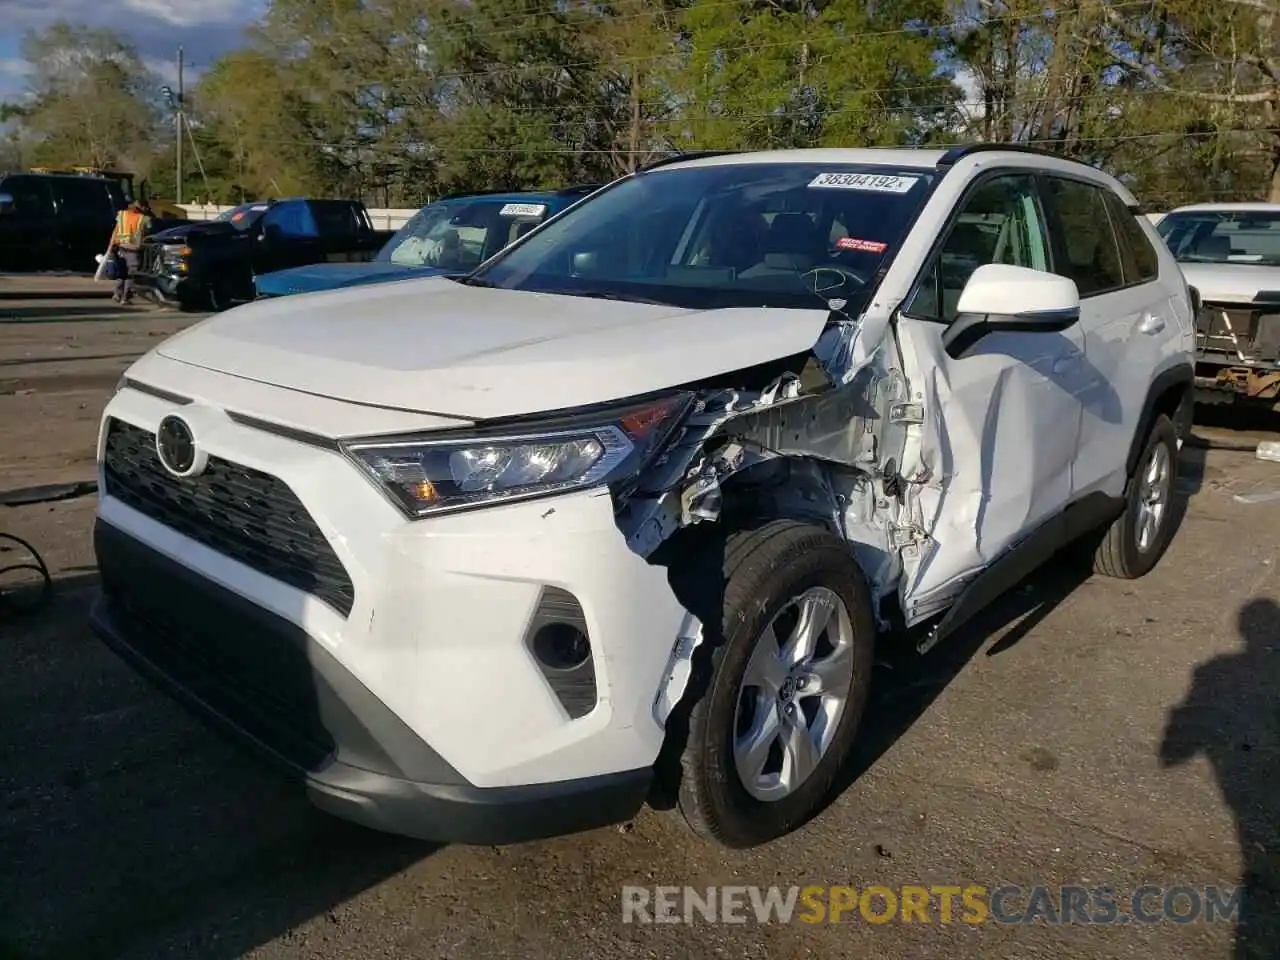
pixel 435 346
pixel 328 276
pixel 1232 282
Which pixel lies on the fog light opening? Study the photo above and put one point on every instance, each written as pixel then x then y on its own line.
pixel 561 646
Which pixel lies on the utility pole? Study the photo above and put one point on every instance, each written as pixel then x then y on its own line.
pixel 178 120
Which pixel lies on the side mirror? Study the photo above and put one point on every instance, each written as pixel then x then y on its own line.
pixel 1196 301
pixel 999 297
pixel 585 263
pixel 6 203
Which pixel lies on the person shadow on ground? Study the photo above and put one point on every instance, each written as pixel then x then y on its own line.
pixel 1231 714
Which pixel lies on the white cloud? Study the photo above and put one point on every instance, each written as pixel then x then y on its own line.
pixel 971 94
pixel 14 68
pixel 191 13
pixel 206 29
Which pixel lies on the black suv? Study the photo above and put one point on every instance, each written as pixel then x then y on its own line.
pixel 53 221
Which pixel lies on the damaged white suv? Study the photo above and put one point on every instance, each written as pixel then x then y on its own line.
pixel 487 559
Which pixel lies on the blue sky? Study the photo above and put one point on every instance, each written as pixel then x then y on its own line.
pixel 205 28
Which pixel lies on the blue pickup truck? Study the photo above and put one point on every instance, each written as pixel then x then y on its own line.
pixel 449 237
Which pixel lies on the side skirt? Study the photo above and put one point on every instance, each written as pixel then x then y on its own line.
pixel 1023 558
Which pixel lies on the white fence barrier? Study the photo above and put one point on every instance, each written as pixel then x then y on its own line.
pixel 383 219
pixel 387 219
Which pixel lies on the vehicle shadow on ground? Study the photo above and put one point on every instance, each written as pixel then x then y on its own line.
pixel 906 684
pixel 1231 716
pixel 80 313
pixel 127 829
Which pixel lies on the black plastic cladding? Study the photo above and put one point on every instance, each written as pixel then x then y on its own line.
pixel 249 516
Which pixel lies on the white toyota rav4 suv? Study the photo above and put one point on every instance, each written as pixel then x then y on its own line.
pixel 491 558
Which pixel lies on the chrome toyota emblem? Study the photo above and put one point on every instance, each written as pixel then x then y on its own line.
pixel 176 447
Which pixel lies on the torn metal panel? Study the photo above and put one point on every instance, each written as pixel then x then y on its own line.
pixel 836 435
pixel 679 668
pixel 993 457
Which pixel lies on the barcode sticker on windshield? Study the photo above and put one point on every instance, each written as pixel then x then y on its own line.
pixel 523 210
pixel 873 182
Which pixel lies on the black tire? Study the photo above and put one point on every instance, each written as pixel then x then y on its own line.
pixel 1119 554
pixel 217 298
pixel 763 569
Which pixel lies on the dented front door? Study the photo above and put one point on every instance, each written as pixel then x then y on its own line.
pixel 1002 424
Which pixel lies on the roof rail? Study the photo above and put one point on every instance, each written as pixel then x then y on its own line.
pixel 681 157
pixel 476 193
pixel 958 153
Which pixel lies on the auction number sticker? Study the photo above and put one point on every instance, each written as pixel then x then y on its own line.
pixel 872 182
pixel 523 210
pixel 862 246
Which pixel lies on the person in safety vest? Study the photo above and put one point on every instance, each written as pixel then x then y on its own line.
pixel 132 225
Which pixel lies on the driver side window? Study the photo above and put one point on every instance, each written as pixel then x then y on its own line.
pixel 292 220
pixel 1000 222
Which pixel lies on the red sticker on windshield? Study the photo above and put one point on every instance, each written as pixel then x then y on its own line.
pixel 862 246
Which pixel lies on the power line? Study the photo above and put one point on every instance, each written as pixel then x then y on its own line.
pixel 604 151
pixel 682 118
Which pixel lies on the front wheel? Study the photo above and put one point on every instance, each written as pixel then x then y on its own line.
pixel 785 687
pixel 1138 538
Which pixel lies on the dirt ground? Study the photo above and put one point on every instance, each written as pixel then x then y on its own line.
pixel 1085 732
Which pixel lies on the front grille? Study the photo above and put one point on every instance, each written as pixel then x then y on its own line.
pixel 250 666
pixel 243 514
pixel 1244 331
pixel 149 259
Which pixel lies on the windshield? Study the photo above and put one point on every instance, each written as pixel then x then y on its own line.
pixel 459 235
pixel 733 235
pixel 1223 236
pixel 243 216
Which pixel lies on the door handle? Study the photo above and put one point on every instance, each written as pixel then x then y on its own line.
pixel 1064 363
pixel 1151 323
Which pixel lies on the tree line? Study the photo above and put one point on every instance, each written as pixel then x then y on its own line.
pixel 395 101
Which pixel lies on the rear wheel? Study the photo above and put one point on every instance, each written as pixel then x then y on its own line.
pixel 1138 538
pixel 782 695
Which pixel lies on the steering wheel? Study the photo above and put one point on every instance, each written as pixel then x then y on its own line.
pixel 845 274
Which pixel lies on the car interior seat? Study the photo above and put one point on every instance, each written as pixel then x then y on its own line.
pixel 737 242
pixel 1214 246
pixel 792 245
pixel 450 255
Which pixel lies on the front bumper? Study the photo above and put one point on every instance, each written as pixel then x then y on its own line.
pixel 157 615
pixel 411 701
pixel 1238 352
pixel 168 288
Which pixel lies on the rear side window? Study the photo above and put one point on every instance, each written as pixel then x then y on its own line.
pixel 1092 255
pixel 83 197
pixel 30 195
pixel 335 219
pixel 1137 255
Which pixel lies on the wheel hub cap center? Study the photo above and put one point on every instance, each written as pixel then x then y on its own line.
pixel 787 691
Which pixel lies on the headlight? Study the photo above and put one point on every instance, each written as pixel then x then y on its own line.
pixel 427 474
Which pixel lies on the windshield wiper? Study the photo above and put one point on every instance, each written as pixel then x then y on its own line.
pixel 470 281
pixel 610 295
